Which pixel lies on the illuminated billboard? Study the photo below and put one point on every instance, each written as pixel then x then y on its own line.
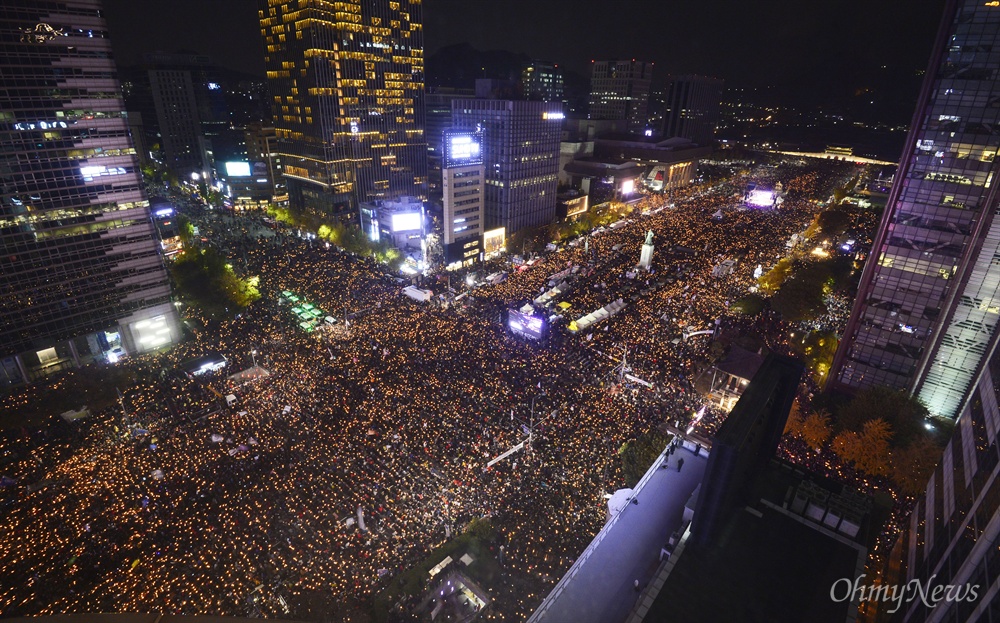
pixel 405 221
pixel 238 169
pixel 462 149
pixel 495 241
pixel 520 323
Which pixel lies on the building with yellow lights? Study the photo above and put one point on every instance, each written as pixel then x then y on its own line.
pixel 347 84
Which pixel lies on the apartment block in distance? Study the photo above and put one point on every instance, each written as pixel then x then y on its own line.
pixel 81 275
pixel 347 83
pixel 542 81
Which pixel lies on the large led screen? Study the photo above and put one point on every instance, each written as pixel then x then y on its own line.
pixel 522 324
pixel 238 169
pixel 407 221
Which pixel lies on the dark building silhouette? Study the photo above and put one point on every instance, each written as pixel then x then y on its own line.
pixel 620 90
pixel 745 443
pixel 691 108
pixel 542 81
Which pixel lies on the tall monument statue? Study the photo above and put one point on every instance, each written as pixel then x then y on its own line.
pixel 646 258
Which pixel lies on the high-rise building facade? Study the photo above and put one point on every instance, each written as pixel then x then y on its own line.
pixel 185 148
pixel 184 111
pixel 542 81
pixel 81 275
pixel 929 298
pixel 347 84
pixel 620 90
pixel 521 157
pixel 260 141
pixel 437 107
pixel 691 108
pixel 463 200
pixel 952 536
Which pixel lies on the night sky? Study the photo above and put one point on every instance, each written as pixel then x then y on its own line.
pixel 811 47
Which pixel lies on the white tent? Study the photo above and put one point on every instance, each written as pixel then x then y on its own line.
pixel 250 374
pixel 421 296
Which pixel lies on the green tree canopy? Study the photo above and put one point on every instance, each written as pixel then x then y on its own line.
pixel 185 229
pixel 637 455
pixel 904 413
pixel 834 222
pixel 205 280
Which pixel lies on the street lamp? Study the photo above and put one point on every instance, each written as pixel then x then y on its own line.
pixel 253 358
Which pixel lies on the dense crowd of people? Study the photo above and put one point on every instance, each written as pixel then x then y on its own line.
pixel 367 444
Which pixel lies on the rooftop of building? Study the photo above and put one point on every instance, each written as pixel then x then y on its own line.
pixel 770 563
pixel 740 362
pixel 766 567
pixel 603 167
pixel 771 376
pixel 669 144
pixel 598 588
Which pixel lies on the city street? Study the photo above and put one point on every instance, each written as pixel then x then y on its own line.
pixel 254 509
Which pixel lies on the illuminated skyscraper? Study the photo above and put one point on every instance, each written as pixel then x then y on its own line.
pixel 952 535
pixel 347 83
pixel 929 299
pixel 462 175
pixel 620 90
pixel 81 275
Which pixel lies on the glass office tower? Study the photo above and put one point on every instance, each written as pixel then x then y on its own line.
pixel 81 274
pixel 952 536
pixel 347 84
pixel 521 156
pixel 929 299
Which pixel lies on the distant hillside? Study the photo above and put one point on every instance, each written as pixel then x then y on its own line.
pixel 459 65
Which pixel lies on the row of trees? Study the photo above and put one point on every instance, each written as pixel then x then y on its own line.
pixel 535 239
pixel 205 280
pixel 880 432
pixel 347 237
pixel 802 296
